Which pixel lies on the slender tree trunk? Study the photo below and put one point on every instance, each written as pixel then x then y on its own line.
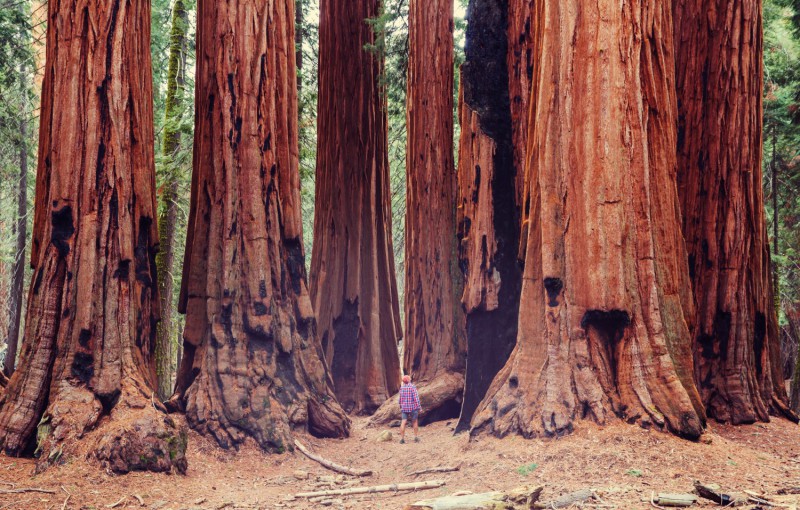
pixel 5 282
pixel 601 327
pixel 719 83
pixel 353 285
pixel 435 343
pixel 21 231
pixel 487 219
pixel 168 219
pixel 87 368
pixel 794 403
pixel 298 46
pixel 252 364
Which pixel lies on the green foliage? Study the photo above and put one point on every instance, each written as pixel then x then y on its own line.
pixel 634 473
pixel 527 469
pixel 781 163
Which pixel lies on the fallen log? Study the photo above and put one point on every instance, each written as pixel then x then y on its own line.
pixel 445 388
pixel 331 465
pixel 519 499
pixel 567 500
pixel 394 487
pixel 665 499
pixel 714 493
pixel 438 469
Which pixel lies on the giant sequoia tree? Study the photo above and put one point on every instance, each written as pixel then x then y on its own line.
pixel 87 358
pixel 488 219
pixel 736 342
pixel 602 328
pixel 353 285
pixel 252 365
pixel 435 349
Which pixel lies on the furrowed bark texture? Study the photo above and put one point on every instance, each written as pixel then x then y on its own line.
pixel 520 72
pixel 488 220
pixel 168 219
pixel 252 365
pixel 353 285
pixel 435 343
pixel 87 359
pixel 736 342
pixel 601 325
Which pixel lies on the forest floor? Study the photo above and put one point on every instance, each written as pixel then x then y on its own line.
pixel 625 464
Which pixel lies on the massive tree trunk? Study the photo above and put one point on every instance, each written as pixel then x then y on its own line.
pixel 488 219
pixel 165 357
pixel 352 268
pixel 520 72
pixel 602 331
pixel 87 359
pixel 435 345
pixel 252 365
pixel 21 231
pixel 736 343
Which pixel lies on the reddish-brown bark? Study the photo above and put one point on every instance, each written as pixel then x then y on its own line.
pixel 719 81
pixel 353 284
pixel 520 72
pixel 252 365
pixel 93 304
pixel 434 351
pixel 488 219
pixel 602 331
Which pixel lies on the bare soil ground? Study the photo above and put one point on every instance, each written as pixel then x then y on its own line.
pixel 624 463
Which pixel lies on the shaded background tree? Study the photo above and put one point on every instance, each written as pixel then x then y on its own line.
pixel 352 276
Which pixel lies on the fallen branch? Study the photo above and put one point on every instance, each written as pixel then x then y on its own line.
pixel 139 499
pixel 64 506
pixel 394 487
pixel 118 503
pixel 27 489
pixel 439 469
pixel 331 465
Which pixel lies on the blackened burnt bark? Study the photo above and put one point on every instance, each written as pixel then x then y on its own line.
pixel 488 219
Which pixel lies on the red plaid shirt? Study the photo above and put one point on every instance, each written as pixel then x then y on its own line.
pixel 409 398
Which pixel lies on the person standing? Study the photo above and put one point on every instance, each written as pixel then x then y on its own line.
pixel 409 408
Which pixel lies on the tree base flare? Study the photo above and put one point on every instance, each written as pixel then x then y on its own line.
pixel 596 374
pixel 440 399
pixel 136 435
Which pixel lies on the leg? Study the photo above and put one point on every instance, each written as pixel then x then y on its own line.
pixel 416 425
pixel 403 428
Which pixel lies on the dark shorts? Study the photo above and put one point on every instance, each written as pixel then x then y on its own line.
pixel 413 415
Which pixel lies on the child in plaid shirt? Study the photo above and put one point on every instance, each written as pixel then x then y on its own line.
pixel 409 408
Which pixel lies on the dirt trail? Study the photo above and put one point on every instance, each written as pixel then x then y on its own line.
pixel 623 462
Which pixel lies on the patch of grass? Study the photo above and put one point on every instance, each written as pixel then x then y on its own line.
pixel 634 472
pixel 527 469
